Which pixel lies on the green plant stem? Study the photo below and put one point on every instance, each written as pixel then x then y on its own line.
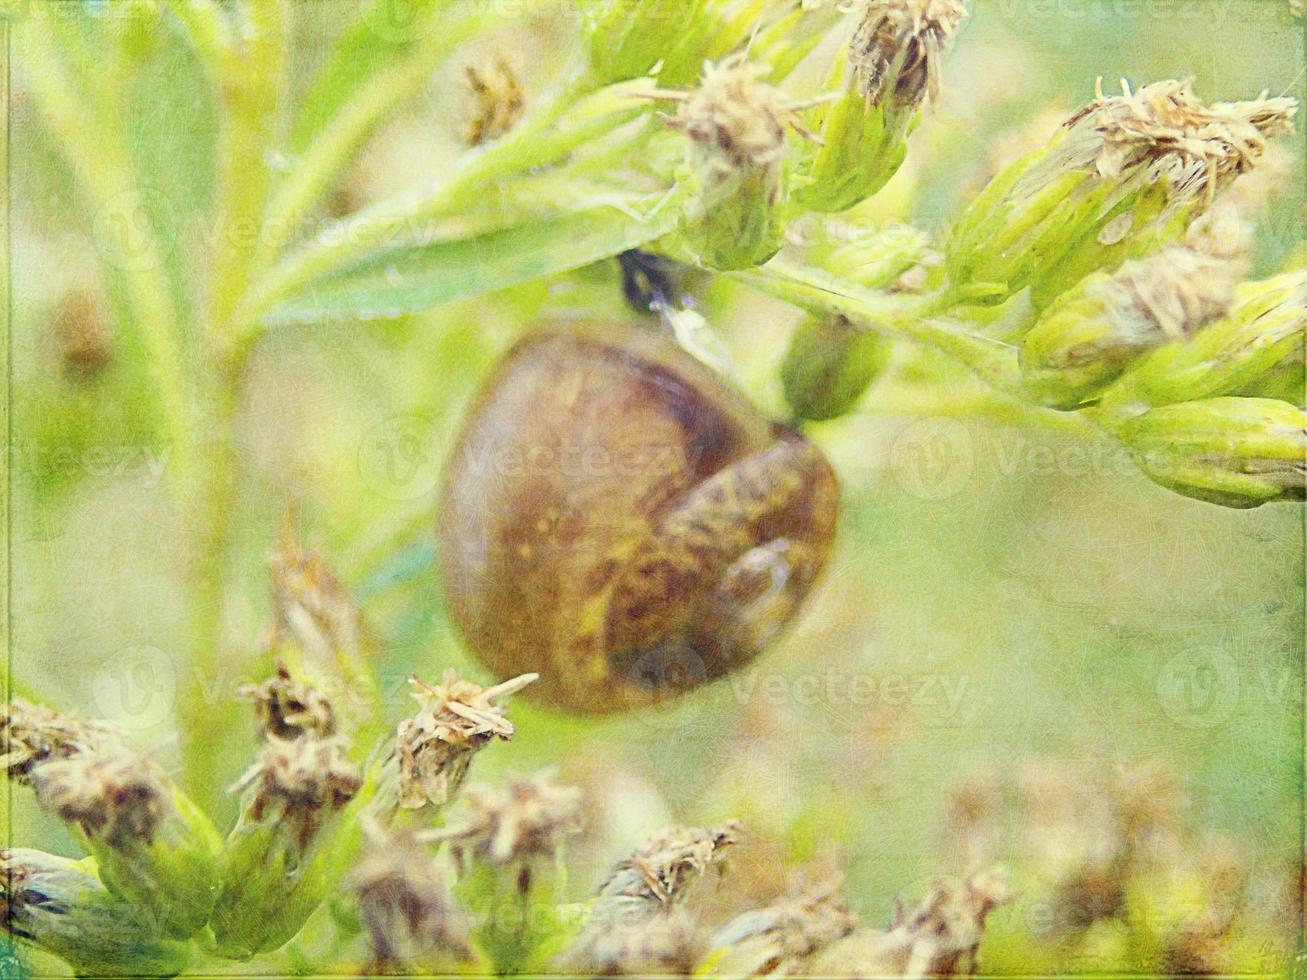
pixel 103 165
pixel 538 141
pixel 916 317
pixel 207 28
pixel 337 143
pixel 250 85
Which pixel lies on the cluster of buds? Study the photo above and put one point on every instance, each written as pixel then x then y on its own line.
pixel 280 858
pixel 1126 175
pixel 153 847
pixel 637 924
pixel 455 720
pixel 1115 877
pixel 781 940
pixel 891 68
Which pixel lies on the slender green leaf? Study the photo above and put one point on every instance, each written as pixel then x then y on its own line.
pixel 407 278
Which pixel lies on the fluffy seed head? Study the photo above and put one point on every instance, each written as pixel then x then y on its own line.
pixel 664 867
pixel 287 708
pixel 526 818
pixel 299 782
pixel 114 795
pixel 31 735
pixel 455 720
pixel 1164 132
pixel 780 938
pixel 736 117
pixel 898 47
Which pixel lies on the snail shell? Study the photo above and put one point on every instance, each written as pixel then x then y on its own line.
pixel 616 518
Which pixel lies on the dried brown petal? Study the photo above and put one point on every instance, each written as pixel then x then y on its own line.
pixel 455 720
pixel 115 795
pixel 899 45
pixel 31 735
pixel 526 818
pixel 287 708
pixel 298 782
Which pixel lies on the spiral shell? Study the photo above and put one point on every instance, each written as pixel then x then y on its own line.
pixel 616 518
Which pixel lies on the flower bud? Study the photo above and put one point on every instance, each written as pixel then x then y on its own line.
pixel 1256 350
pixel 1094 331
pixel 61 906
pixel 509 852
pixel 154 847
pixel 1238 452
pixel 829 365
pixel 411 921
pixel 1124 176
pixel 636 920
pixel 939 937
pixel 455 720
pixel 627 38
pixel 738 161
pixel 31 735
pixel 780 940
pixel 891 68
pixel 277 862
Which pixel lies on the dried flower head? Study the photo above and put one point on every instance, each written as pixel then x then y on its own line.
pixel 499 102
pixel 662 945
pixel 299 782
pixel 81 327
pixel 939 936
pixel 310 603
pixel 31 735
pixel 118 796
pixel 663 869
pixel 455 720
pixel 736 117
pixel 899 45
pixel 527 818
pixel 1163 132
pixel 410 917
pixel 780 939
pixel 288 708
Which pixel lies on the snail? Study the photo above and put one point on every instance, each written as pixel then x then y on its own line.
pixel 618 519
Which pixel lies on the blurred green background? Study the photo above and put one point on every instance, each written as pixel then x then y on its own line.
pixel 998 592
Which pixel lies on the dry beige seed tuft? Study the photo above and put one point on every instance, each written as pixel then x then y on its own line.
pixel 527 818
pixel 31 735
pixel 455 720
pixel 114 795
pixel 299 782
pixel 287 708
pixel 899 45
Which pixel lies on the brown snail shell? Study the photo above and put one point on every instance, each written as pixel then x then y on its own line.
pixel 619 520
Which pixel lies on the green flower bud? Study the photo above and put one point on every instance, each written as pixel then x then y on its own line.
pixel 891 68
pixel 1238 452
pixel 738 164
pixel 627 38
pixel 1256 350
pixel 154 847
pixel 1094 331
pixel 277 864
pixel 780 940
pixel 509 854
pixel 61 906
pixel 1124 176
pixel 829 365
